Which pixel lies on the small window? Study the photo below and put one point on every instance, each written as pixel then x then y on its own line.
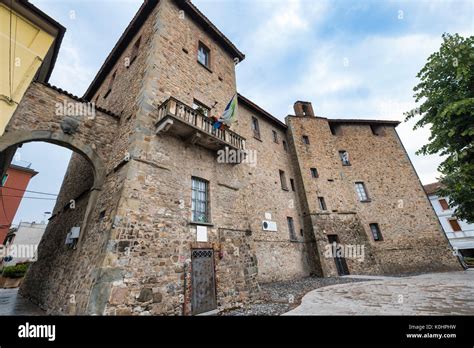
pixel 283 180
pixel 335 129
pixel 255 128
pixel 377 130
pixel 275 137
pixel 314 173
pixel 305 140
pixel 376 234
pixel 291 228
pixel 292 184
pixel 111 82
pixel 361 192
pixel 344 155
pixel 134 52
pixel 102 215
pixel 203 56
pixel 200 107
pixel 200 200
pixel 285 146
pixel 4 180
pixel 444 204
pixel 322 203
pixel 455 225
pixel 301 232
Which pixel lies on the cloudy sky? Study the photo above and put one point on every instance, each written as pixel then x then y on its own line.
pixel 351 59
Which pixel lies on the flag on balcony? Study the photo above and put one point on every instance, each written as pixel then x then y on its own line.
pixel 230 111
pixel 229 114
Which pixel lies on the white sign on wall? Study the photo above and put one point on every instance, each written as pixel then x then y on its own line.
pixel 201 233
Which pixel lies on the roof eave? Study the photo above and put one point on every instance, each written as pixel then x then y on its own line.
pixel 257 108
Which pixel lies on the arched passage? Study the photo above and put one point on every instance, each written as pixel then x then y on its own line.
pixel 35 285
pixel 92 136
pixel 12 139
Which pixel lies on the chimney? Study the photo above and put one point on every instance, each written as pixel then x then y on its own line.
pixel 303 108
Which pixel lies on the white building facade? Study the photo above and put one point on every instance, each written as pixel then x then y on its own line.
pixel 21 244
pixel 460 233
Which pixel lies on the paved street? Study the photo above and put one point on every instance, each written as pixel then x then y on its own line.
pixel 13 304
pixel 429 294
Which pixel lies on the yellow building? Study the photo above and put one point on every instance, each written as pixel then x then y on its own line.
pixel 29 44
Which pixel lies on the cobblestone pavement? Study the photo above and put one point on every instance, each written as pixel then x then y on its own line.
pixel 449 293
pixel 280 297
pixel 11 303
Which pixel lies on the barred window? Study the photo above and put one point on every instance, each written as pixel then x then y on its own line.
pixel 361 191
pixel 322 203
pixel 255 128
pixel 203 55
pixel 374 228
pixel 291 228
pixel 275 137
pixel 200 200
pixel 344 155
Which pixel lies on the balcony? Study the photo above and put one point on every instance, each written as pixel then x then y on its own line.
pixel 181 120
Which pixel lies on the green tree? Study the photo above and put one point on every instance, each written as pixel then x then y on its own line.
pixel 446 91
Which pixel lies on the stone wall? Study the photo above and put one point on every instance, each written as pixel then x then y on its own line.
pixel 137 235
pixel 397 200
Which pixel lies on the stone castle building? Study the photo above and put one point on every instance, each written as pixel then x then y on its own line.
pixel 167 227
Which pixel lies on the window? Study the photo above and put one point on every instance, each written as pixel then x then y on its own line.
pixel 283 180
pixel 305 139
pixel 344 158
pixel 374 228
pixel 255 128
pixel 285 146
pixel 200 200
pixel 200 107
pixel 275 137
pixel 291 228
pixel 322 203
pixel 335 129
pixel 455 225
pixel 361 192
pixel 111 82
pixel 292 184
pixel 444 204
pixel 134 52
pixel 203 56
pixel 377 129
pixel 314 173
pixel 4 180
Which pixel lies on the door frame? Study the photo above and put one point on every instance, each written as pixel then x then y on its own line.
pixel 192 279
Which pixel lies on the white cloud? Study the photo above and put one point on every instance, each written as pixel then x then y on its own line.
pixel 70 72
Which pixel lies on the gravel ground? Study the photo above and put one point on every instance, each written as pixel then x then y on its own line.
pixel 280 297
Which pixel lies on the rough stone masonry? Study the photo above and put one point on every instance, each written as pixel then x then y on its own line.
pixel 134 181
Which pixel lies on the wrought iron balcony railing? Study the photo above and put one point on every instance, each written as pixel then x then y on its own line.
pixel 181 120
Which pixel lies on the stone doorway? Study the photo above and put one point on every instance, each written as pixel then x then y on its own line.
pixel 339 260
